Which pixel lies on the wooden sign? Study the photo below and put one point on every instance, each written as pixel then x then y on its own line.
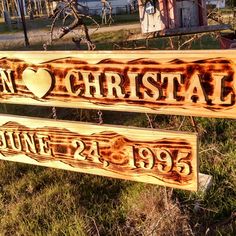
pixel 197 83
pixel 152 156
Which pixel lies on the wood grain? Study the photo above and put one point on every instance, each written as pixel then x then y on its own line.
pixel 151 156
pixel 197 83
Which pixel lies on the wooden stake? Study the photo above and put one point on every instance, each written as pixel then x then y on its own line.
pixel 205 182
pixel 22 14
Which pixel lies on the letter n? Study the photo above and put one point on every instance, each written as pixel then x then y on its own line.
pixel 7 81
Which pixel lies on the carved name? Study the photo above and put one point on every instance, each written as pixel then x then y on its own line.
pixel 150 87
pixel 201 88
pixel 158 157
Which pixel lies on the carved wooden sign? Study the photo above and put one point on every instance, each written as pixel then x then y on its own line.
pixel 201 83
pixel 152 156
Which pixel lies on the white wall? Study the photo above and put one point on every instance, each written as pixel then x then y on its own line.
pixel 217 3
pixel 97 5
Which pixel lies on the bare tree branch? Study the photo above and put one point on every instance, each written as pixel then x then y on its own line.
pixel 70 8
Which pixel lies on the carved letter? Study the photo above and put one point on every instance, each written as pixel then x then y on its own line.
pixel 94 152
pixel 171 90
pixel 131 154
pixel 80 146
pixel 69 84
pixel 165 160
pixel 183 166
pixel 29 142
pixel 44 145
pixel 114 85
pixel 146 154
pixel 15 136
pixel 3 141
pixel 217 97
pixel 92 88
pixel 155 92
pixel 7 81
pixel 133 86
pixel 195 89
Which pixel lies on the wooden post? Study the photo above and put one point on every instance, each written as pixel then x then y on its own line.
pixel 21 6
pixel 205 182
pixel 171 11
pixel 6 15
pixel 48 8
pixel 202 12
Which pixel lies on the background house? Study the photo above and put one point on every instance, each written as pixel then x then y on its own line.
pixel 95 6
pixel 172 14
pixel 216 3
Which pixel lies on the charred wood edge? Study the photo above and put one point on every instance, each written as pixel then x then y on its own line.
pixel 179 31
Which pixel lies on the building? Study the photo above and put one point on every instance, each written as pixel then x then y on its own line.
pixel 95 6
pixel 157 15
pixel 216 3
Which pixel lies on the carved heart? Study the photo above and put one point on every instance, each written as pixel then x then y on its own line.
pixel 39 83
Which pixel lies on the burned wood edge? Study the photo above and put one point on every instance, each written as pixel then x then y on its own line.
pixel 179 31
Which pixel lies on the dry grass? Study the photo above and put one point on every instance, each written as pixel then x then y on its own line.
pixel 152 211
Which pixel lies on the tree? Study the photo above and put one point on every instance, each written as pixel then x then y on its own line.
pixel 77 15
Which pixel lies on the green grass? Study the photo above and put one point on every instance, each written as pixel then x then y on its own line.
pixel 115 41
pixel 43 23
pixel 217 158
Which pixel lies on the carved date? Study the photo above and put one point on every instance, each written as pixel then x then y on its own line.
pixel 158 157
pixel 146 158
pixel 161 159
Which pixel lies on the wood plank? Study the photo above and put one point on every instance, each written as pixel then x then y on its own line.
pixel 178 31
pixel 151 156
pixel 197 83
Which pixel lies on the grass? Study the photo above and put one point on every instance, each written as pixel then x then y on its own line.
pixel 217 158
pixel 43 201
pixel 43 23
pixel 112 41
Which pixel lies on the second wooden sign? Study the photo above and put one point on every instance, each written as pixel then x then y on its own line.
pixel 151 156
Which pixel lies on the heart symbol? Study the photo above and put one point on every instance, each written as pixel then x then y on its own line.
pixel 38 82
